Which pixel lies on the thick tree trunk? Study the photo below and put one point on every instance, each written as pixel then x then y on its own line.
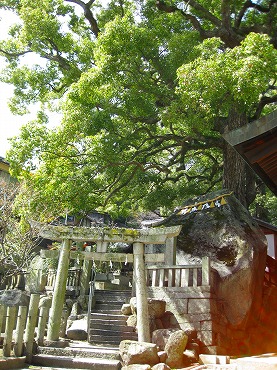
pixel 237 175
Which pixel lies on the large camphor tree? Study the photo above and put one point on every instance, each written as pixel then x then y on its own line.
pixel 145 90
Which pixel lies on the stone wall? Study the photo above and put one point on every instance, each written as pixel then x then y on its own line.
pixel 194 308
pixel 197 308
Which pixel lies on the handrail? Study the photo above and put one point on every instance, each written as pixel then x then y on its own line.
pixel 91 294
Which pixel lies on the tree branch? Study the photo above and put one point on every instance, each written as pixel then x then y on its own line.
pixel 249 4
pixel 222 28
pixel 263 102
pixel 14 55
pixel 88 14
pixel 225 14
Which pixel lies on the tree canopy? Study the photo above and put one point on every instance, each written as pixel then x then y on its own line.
pixel 145 89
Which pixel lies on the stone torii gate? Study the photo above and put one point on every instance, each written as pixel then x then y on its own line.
pixel 102 236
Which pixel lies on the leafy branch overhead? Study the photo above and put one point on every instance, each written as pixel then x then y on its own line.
pixel 145 90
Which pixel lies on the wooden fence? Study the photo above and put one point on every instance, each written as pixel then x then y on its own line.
pixel 19 324
pixel 72 282
pixel 179 275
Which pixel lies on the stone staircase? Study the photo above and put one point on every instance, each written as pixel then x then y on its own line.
pixel 107 328
pixel 107 323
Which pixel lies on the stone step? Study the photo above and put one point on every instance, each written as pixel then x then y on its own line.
pixel 112 334
pixel 113 337
pixel 7 363
pixel 112 296
pixel 116 306
pixel 107 309
pixel 109 318
pixel 109 340
pixel 116 325
pixel 85 352
pixel 104 341
pixel 69 362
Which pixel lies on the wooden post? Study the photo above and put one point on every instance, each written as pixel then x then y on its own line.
pixel 101 246
pixel 42 280
pixel 20 326
pixel 141 294
pixel 63 325
pixel 42 321
pixel 206 268
pixel 30 326
pixel 7 345
pixel 2 314
pixel 85 276
pixel 59 293
pixel 170 251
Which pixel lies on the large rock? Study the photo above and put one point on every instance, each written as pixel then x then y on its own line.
pixel 161 336
pixel 175 348
pixel 77 330
pixel 132 321
pixel 218 226
pixel 156 307
pixel 36 279
pixel 169 320
pixel 14 297
pixel 133 352
pixel 126 309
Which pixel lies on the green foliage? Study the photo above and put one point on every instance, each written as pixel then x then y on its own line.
pixel 220 81
pixel 145 90
pixel 265 207
pixel 17 239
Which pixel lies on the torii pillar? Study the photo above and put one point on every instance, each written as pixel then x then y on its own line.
pixel 55 315
pixel 141 293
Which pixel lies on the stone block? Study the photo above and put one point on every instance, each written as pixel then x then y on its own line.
pixel 180 292
pixel 206 325
pixel 193 325
pixel 213 359
pixel 199 317
pixel 207 337
pixel 199 306
pixel 180 306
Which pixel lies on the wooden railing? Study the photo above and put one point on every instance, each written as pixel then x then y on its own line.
pixel 15 281
pixel 72 283
pixel 179 275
